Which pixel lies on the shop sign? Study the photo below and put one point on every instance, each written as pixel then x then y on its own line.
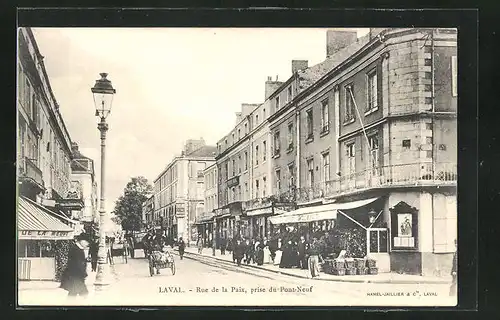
pixel 221 212
pixel 42 235
pixel 234 181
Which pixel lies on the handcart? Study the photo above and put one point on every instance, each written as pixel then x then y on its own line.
pixel 161 260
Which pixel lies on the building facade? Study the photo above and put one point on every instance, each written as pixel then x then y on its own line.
pixel 46 192
pixel 148 212
pixel 206 220
pixel 84 181
pixel 179 191
pixel 377 138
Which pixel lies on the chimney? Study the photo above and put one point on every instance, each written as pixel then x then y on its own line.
pixel 374 32
pixel 337 40
pixel 299 65
pixel 271 87
pixel 238 117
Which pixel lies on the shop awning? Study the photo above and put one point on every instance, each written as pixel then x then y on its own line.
pixel 259 211
pixel 317 213
pixel 36 222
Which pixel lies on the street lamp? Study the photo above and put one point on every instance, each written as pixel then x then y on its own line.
pixel 103 97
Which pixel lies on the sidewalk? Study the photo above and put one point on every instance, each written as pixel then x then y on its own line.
pixel 393 278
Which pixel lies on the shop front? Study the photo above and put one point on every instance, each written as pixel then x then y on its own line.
pixel 39 232
pixel 351 226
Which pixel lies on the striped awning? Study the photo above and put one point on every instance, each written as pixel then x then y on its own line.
pixel 36 222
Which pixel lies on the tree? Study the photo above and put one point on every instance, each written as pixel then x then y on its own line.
pixel 128 207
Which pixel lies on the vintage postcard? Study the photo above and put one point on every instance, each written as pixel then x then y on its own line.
pixel 237 166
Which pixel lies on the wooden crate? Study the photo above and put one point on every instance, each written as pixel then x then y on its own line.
pixel 370 263
pixel 339 271
pixel 349 264
pixel 359 263
pixel 350 271
pixel 338 264
pixel 362 271
pixel 372 270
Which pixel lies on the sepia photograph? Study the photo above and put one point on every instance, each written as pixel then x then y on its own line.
pixel 237 166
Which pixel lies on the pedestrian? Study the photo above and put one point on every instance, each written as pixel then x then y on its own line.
pixel 313 261
pixel 248 251
pixel 93 253
pixel 302 248
pixel 259 253
pixel 223 244
pixel 73 277
pixel 147 243
pixel 199 243
pixel 239 251
pixel 182 247
pixel 453 287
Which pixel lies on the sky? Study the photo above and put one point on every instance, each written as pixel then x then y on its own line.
pixel 172 84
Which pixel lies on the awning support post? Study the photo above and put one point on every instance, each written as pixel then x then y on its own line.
pixel 345 215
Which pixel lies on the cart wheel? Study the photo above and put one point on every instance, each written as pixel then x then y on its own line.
pixel 172 267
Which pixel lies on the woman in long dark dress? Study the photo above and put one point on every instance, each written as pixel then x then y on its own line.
pixel 259 253
pixel 73 277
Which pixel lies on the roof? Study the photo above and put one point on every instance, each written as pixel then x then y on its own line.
pixel 309 76
pixel 35 217
pixel 205 151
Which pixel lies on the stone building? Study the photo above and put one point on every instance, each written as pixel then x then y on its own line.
pixel 377 147
pixel 44 156
pixel 205 221
pixel 179 191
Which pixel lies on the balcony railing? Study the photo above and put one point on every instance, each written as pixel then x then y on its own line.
pixel 416 174
pixel 28 169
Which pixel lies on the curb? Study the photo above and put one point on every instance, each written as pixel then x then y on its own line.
pixel 390 281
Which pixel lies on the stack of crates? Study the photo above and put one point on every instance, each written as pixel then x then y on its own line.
pixel 361 268
pixel 350 267
pixel 338 268
pixel 372 266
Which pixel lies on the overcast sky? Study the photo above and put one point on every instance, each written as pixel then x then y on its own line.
pixel 171 85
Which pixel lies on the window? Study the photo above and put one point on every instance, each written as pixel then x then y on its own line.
pixel 325 122
pixel 278 180
pixel 276 143
pixel 349 103
pixel 256 155
pixel 256 189
pixel 239 193
pixel 351 158
pixel 226 167
pixel 309 124
pixel 289 96
pixel 291 176
pixel 239 163
pixel 326 167
pixel 256 119
pixel 277 101
pixel 264 186
pixel 372 91
pixel 246 128
pixel 226 143
pixel 264 113
pixel 264 151
pixel 290 136
pixel 310 172
pixel 233 139
pixel 374 153
pixel 234 167
pixel 378 240
pixel 239 134
pixel 233 194
pixel 407 144
pixel 246 189
pixel 246 160
pixel 454 76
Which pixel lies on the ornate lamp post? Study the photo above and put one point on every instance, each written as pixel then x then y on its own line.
pixel 103 97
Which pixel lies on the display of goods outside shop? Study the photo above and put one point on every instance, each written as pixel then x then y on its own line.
pixel 338 271
pixel 350 271
pixel 372 270
pixel 362 271
pixel 359 263
pixel 371 263
pixel 350 263
pixel 353 240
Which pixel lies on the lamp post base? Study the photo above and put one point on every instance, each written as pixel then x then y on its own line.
pixel 103 277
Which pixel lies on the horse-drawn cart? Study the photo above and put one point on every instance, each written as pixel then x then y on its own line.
pixel 161 260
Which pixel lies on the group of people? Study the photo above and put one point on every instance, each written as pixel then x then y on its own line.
pixel 285 253
pixel 156 241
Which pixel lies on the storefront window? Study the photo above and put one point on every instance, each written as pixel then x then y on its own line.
pixel 378 240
